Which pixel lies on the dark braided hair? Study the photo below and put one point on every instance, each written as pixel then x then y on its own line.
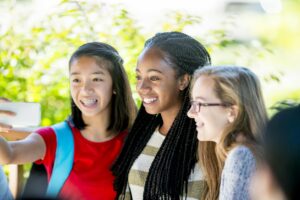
pixel 177 156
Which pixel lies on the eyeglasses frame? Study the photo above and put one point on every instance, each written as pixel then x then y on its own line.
pixel 199 104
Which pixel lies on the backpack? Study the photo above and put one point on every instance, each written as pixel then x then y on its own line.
pixel 64 158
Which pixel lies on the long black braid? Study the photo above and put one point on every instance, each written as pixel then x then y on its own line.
pixel 177 156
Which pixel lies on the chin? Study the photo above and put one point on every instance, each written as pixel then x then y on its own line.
pixel 89 114
pixel 200 138
pixel 151 111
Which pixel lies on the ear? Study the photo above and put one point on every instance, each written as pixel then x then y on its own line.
pixel 184 81
pixel 232 113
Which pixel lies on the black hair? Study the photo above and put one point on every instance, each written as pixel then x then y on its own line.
pixel 176 158
pixel 123 106
pixel 282 150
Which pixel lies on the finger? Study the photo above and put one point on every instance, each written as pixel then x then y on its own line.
pixel 5 127
pixel 3 100
pixel 7 112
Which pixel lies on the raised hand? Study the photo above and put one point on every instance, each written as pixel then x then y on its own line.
pixel 5 127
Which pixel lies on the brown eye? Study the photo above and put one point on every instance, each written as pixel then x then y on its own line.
pixel 154 78
pixel 75 80
pixel 98 79
pixel 138 77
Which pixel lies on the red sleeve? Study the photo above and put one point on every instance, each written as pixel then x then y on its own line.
pixel 49 138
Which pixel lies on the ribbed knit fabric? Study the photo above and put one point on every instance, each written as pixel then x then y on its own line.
pixel 238 170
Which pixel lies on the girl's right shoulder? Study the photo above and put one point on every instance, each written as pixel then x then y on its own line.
pixel 45 131
pixel 48 135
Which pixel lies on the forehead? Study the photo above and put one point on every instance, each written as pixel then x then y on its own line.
pixel 85 63
pixel 203 87
pixel 154 59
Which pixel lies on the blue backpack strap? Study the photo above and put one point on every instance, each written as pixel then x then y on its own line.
pixel 64 158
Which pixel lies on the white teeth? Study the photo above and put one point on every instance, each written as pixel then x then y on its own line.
pixel 150 100
pixel 89 102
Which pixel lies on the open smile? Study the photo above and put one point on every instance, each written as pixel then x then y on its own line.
pixel 89 102
pixel 149 100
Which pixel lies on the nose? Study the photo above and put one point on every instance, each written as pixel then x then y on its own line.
pixel 87 87
pixel 143 86
pixel 191 113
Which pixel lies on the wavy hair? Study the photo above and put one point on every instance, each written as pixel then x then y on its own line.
pixel 238 86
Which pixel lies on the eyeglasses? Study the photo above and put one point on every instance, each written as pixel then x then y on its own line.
pixel 196 106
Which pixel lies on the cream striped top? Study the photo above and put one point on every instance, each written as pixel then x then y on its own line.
pixel 140 168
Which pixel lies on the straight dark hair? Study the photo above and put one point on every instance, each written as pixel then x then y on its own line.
pixel 123 106
pixel 281 147
pixel 176 158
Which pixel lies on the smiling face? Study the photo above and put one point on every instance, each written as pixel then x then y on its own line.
pixel 157 84
pixel 91 86
pixel 211 120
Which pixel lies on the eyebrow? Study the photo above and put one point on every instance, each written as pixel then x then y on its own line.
pixel 94 73
pixel 199 98
pixel 150 70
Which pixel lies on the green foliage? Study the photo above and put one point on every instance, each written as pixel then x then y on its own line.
pixel 34 61
pixel 179 21
pixel 34 58
pixel 280 105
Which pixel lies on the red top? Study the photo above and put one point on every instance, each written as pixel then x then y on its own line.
pixel 90 177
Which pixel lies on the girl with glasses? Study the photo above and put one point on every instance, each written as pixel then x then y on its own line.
pixel 230 114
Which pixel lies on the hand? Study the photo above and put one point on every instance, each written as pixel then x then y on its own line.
pixel 5 127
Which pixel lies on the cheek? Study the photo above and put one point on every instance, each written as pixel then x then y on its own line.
pixel 73 91
pixel 220 120
pixel 170 94
pixel 137 85
pixel 108 89
pixel 214 124
pixel 174 88
pixel 104 90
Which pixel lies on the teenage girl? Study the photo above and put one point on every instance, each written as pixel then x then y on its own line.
pixel 230 116
pixel 159 157
pixel 102 112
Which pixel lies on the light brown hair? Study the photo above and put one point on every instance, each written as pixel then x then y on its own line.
pixel 237 86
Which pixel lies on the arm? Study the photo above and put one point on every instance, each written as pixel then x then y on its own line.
pixel 27 150
pixel 238 169
pixel 14 134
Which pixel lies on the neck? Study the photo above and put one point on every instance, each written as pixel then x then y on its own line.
pixel 96 131
pixel 168 120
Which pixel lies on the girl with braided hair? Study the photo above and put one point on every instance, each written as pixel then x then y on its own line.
pixel 159 157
